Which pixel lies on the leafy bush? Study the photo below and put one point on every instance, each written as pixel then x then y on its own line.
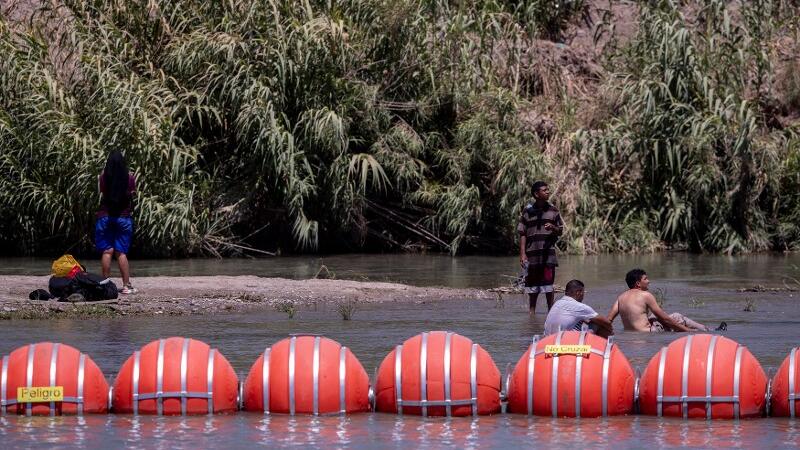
pixel 392 124
pixel 687 154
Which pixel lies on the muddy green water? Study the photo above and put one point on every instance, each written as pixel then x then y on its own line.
pixel 702 287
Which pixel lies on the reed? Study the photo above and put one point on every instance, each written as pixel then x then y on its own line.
pixel 347 308
pixel 287 307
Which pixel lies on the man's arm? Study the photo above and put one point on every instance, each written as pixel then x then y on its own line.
pixel 522 243
pixel 662 316
pixel 558 228
pixel 614 312
pixel 604 324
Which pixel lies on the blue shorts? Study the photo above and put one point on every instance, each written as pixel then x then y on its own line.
pixel 113 233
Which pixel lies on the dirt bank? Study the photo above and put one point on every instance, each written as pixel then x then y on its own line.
pixel 218 294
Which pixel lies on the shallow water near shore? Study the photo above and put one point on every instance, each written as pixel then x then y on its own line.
pixel 465 271
pixel 702 287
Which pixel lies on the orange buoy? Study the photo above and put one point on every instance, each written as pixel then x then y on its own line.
pixel 307 375
pixel 73 376
pixel 783 402
pixel 176 376
pixel 438 374
pixel 572 374
pixel 703 375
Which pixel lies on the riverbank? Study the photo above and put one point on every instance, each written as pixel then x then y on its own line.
pixel 219 294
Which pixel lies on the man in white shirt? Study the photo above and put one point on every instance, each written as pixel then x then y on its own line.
pixel 569 313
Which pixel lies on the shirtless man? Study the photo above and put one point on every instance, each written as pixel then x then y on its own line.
pixel 635 303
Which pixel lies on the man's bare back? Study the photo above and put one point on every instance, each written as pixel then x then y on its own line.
pixel 633 310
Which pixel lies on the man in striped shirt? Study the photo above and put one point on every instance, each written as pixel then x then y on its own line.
pixel 539 228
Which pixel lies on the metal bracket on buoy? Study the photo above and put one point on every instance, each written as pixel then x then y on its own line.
pixel 793 397
pixel 110 397
pixel 531 366
pixel 637 379
pixel 768 397
pixel 240 396
pixel 373 398
pixel 504 389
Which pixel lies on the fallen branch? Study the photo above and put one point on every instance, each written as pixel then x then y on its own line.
pixel 239 246
pixel 414 228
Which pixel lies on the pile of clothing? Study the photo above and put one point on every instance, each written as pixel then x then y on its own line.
pixel 71 282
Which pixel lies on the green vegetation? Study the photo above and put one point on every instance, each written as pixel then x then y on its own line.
pixel 287 307
pixel 346 308
pixel 401 124
pixel 691 155
pixel 36 312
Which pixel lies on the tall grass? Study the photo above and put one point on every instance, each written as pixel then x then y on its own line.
pixel 396 124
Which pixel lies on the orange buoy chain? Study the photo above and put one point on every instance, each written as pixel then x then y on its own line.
pixel 701 376
pixel 176 376
pixel 315 377
pixel 438 373
pixel 709 399
pixel 303 362
pixel 587 359
pixel 54 371
pixel 434 373
pixel 184 393
pixel 448 402
pixel 685 398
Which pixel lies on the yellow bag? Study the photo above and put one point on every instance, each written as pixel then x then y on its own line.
pixel 64 265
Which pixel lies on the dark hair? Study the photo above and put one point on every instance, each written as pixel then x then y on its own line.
pixel 633 276
pixel 573 286
pixel 115 178
pixel 537 185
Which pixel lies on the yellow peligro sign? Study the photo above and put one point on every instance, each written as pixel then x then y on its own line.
pixel 567 349
pixel 40 394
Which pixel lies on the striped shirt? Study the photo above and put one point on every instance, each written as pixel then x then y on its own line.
pixel 540 244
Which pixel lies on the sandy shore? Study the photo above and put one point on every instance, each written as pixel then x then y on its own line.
pixel 218 294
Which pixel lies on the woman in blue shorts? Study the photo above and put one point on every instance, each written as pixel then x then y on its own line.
pixel 113 230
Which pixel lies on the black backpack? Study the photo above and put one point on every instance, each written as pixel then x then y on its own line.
pixel 92 287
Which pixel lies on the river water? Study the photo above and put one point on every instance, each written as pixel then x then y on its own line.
pixel 701 286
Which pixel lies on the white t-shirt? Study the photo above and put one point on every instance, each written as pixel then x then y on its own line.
pixel 568 314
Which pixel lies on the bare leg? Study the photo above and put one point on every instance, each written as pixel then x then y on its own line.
pixel 687 322
pixel 124 269
pixel 550 296
pixel 532 298
pixel 105 262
